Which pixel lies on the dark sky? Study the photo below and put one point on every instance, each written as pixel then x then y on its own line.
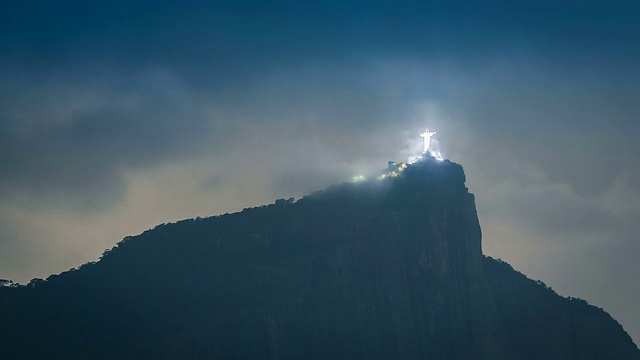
pixel 117 116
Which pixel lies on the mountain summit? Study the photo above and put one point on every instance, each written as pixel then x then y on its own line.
pixel 380 269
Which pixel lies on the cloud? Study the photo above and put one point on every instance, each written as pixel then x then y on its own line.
pixel 72 142
pixel 116 117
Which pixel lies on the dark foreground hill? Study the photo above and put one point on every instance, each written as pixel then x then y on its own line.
pixel 389 269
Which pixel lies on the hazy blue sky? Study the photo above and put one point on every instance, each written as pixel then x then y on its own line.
pixel 116 116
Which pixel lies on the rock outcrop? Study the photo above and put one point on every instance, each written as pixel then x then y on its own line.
pixel 384 269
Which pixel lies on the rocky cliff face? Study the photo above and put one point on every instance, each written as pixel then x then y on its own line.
pixel 376 270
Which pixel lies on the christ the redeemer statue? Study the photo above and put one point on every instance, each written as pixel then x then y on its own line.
pixel 427 139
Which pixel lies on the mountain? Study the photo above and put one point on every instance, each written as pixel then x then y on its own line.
pixel 380 269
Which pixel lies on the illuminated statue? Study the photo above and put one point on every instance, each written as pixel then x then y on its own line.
pixel 427 139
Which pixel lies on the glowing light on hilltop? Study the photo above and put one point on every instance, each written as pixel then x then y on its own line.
pixel 395 169
pixel 427 139
pixel 395 172
pixel 414 159
pixel 358 178
pixel 431 146
pixel 437 155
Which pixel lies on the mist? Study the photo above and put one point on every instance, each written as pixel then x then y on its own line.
pixel 117 119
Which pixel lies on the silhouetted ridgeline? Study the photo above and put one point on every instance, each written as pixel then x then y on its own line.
pixel 388 269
